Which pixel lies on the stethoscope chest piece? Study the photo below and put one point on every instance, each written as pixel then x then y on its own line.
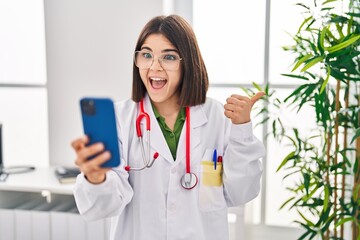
pixel 189 180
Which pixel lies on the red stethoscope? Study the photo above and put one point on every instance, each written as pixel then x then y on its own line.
pixel 189 179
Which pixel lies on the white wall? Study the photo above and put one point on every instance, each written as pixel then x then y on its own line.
pixel 22 42
pixel 89 52
pixel 23 93
pixel 24 116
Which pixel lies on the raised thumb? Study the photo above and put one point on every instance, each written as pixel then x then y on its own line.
pixel 256 97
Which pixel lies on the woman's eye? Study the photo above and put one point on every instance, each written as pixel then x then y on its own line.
pixel 147 55
pixel 170 57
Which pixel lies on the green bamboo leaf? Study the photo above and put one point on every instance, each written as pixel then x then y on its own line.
pixel 248 91
pixel 290 174
pixel 330 35
pixel 307 96
pixel 353 14
pixel 305 235
pixel 357 134
pixel 286 159
pixel 322 37
pixel 341 76
pixel 267 89
pixel 265 120
pixel 327 220
pixel 306 177
pixel 295 203
pixel 274 128
pixel 326 197
pixel 301 60
pixel 261 112
pixel 312 63
pixel 262 122
pixel 323 85
pixel 339 27
pixel 313 46
pixel 257 86
pixel 302 5
pixel 296 92
pixel 344 220
pixel 304 22
pixel 306 198
pixel 350 25
pixel 355 169
pixel 344 58
pixel 288 48
pixel 327 9
pixel 286 202
pixel 309 223
pixel 329 1
pixel 295 76
pixel 343 44
pixel 338 19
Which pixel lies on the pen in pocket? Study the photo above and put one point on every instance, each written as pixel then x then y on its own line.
pixel 215 158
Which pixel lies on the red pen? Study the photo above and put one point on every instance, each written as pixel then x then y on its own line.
pixel 219 159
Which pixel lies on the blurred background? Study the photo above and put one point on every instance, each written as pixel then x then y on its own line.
pixel 54 52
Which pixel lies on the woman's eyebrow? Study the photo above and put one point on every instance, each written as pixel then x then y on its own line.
pixel 170 50
pixel 147 48
pixel 163 51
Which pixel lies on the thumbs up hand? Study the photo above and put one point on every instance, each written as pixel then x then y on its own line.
pixel 238 108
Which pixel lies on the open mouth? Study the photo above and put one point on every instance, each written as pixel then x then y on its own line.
pixel 157 82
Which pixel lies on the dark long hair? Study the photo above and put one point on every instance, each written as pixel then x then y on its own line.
pixel 194 81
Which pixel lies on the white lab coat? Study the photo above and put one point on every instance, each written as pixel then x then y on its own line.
pixel 151 204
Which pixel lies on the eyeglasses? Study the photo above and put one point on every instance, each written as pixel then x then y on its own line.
pixel 168 61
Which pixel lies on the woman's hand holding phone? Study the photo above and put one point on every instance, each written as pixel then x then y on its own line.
pixel 92 170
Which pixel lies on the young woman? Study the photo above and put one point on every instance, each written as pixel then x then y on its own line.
pixel 206 156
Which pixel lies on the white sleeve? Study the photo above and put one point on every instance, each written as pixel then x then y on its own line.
pixel 242 166
pixel 96 201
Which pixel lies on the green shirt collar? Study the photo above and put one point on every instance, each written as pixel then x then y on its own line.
pixel 171 137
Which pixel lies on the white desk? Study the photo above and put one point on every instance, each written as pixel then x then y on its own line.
pixel 39 180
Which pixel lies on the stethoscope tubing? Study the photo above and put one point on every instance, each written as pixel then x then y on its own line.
pixel 145 155
pixel 189 179
pixel 187 110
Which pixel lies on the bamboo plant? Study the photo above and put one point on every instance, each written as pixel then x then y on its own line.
pixel 326 163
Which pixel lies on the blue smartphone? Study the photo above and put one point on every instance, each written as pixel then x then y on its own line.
pixel 99 123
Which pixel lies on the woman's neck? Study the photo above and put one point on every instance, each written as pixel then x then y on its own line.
pixel 169 110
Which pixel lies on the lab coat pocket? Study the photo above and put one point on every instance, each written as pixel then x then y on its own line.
pixel 211 194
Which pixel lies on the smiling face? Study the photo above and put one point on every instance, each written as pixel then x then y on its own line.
pixel 161 84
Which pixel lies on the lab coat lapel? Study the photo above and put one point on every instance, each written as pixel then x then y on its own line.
pixel 157 139
pixel 197 119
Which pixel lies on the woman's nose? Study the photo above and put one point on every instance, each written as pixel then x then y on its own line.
pixel 156 65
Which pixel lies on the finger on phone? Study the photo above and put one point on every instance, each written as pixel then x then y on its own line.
pixel 79 142
pixel 101 158
pixel 96 162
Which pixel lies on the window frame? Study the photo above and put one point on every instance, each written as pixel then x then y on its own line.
pixel 185 9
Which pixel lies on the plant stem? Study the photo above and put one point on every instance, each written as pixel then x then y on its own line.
pixel 356 179
pixel 337 108
pixel 345 145
pixel 328 144
pixel 356 183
